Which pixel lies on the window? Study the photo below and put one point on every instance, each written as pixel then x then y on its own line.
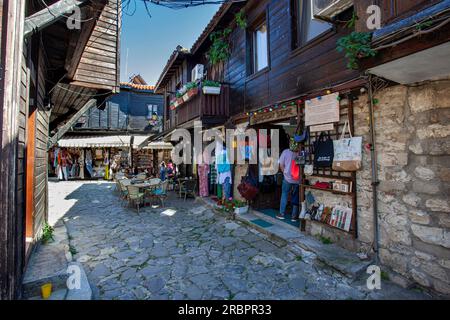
pixel 260 48
pixel 151 110
pixel 306 27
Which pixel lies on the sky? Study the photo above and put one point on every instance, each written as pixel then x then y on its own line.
pixel 151 40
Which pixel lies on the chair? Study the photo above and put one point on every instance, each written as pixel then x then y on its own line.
pixel 149 193
pixel 124 183
pixel 187 188
pixel 161 192
pixel 134 196
pixel 141 176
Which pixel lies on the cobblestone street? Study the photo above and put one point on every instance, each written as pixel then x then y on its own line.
pixel 186 251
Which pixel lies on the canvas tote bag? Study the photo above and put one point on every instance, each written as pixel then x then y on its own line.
pixel 323 151
pixel 347 152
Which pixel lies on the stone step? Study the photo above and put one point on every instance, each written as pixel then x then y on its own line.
pixel 50 263
pixel 335 257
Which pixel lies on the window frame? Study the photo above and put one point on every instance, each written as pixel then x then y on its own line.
pixel 255 47
pixel 251 54
pixel 298 23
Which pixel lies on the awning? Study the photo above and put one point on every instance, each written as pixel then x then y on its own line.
pixel 159 145
pixel 140 141
pixel 98 141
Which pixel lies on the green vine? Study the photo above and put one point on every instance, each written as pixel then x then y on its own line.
pixel 241 20
pixel 356 45
pixel 220 47
pixel 423 25
pixel 352 22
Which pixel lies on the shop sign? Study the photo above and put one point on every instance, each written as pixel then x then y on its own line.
pixel 278 114
pixel 322 110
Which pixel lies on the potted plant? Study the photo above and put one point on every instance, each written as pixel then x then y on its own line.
pixel 211 87
pixel 240 207
pixel 180 99
pixel 173 104
pixel 191 90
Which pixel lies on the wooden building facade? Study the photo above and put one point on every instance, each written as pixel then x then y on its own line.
pixel 49 72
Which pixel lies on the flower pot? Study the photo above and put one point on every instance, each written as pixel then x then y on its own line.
pixel 180 101
pixel 186 97
pixel 212 90
pixel 241 210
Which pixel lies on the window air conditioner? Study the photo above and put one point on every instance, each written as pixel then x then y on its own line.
pixel 328 9
pixel 197 72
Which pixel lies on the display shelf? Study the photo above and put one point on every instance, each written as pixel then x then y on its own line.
pixel 328 190
pixel 330 226
pixel 346 114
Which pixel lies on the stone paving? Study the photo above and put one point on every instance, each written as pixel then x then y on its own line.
pixel 186 251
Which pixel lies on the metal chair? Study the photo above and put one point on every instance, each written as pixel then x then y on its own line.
pixel 161 192
pixel 188 188
pixel 149 194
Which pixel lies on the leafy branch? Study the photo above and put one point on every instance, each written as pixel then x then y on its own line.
pixel 220 47
pixel 241 20
pixel 356 45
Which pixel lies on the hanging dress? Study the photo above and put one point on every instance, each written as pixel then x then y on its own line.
pixel 203 170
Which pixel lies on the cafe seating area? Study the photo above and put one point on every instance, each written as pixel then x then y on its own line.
pixel 140 191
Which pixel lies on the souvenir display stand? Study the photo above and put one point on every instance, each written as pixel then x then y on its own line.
pixel 335 178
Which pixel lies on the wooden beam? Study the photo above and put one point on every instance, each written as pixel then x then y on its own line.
pixel 79 41
pixel 49 15
pixel 54 139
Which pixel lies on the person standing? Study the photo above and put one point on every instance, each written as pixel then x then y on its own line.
pixel 162 171
pixel 291 179
pixel 224 174
pixel 65 163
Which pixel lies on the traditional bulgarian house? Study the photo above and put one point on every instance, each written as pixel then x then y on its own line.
pixel 289 67
pixel 117 130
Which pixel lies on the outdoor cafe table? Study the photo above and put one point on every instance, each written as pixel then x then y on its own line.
pixel 145 185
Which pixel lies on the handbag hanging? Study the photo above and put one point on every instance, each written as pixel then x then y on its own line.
pixel 347 152
pixel 248 186
pixel 323 151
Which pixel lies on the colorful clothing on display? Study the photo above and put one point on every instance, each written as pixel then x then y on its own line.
pixel 213 174
pixel 203 171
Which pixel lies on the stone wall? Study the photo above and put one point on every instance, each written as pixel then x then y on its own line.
pixel 413 150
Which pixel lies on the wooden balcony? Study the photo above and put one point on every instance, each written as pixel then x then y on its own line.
pixel 211 109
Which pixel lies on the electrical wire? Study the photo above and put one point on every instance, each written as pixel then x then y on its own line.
pixel 414 35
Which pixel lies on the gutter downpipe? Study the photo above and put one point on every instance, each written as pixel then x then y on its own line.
pixel 375 181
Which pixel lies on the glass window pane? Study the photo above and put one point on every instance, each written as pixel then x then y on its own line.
pixel 261 57
pixel 313 27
